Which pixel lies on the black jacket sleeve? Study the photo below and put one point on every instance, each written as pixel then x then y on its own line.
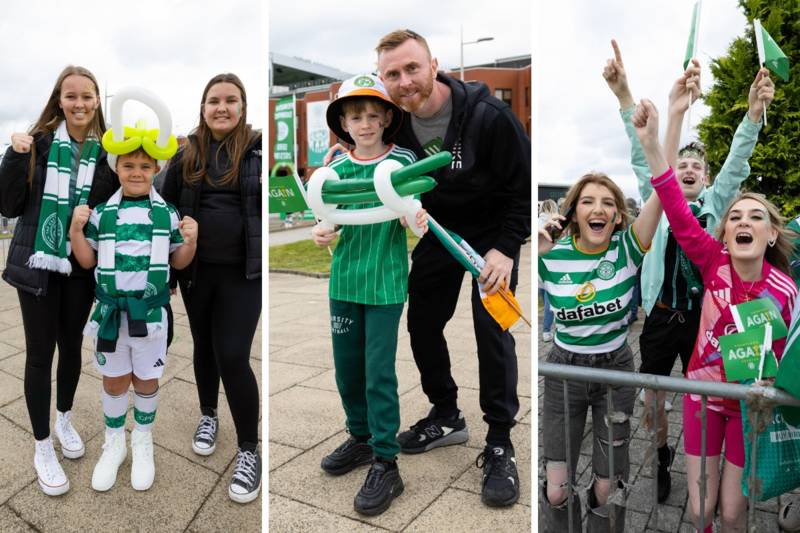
pixel 170 188
pixel 14 183
pixel 511 161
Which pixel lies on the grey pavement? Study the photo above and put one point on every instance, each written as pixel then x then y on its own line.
pixel 672 514
pixel 307 422
pixel 190 492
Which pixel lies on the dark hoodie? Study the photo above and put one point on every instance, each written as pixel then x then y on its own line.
pixel 485 193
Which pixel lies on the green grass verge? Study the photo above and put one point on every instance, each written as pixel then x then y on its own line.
pixel 304 256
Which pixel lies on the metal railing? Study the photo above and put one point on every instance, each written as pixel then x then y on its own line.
pixel 663 383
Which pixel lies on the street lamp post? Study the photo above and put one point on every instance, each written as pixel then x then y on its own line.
pixel 479 40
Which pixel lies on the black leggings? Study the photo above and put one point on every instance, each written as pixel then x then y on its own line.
pixel 57 318
pixel 223 309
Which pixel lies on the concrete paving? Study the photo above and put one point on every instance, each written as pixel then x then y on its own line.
pixel 190 492
pixel 672 514
pixel 307 422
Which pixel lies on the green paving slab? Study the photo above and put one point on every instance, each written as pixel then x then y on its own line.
pixel 457 510
pixel 289 516
pixel 220 513
pixel 179 490
pixel 425 477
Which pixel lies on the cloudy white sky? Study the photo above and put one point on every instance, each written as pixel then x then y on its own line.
pixel 343 35
pixel 578 121
pixel 171 48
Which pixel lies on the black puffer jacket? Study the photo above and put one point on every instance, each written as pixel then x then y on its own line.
pixel 18 199
pixel 485 193
pixel 186 199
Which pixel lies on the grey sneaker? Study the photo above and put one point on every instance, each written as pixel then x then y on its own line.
pixel 205 438
pixel 246 482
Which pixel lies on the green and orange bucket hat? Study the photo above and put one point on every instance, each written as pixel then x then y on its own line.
pixel 361 86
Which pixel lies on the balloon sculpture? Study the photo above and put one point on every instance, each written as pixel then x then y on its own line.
pixel 159 144
pixel 395 186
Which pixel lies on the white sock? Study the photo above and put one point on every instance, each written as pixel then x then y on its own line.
pixel 144 410
pixel 115 408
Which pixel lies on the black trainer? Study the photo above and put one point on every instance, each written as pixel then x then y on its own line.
pixel 666 454
pixel 246 481
pixel 351 454
pixel 432 432
pixel 383 484
pixel 500 486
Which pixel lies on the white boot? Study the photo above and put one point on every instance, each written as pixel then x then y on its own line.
pixel 71 444
pixel 114 453
pixel 52 478
pixel 143 470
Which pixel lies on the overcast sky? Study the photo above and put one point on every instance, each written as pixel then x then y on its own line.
pixel 171 48
pixel 578 127
pixel 343 35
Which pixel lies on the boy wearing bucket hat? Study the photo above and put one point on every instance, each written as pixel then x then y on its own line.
pixel 135 234
pixel 368 288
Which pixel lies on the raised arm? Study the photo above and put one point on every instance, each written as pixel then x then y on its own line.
pixel 645 120
pixel 684 91
pixel 617 79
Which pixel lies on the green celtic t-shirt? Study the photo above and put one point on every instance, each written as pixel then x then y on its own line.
pixel 590 293
pixel 370 263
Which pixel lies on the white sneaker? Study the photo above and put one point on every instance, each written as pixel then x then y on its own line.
pixel 547 336
pixel 52 478
pixel 143 470
pixel 114 453
pixel 71 444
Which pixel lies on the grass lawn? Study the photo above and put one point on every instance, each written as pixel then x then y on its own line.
pixel 304 256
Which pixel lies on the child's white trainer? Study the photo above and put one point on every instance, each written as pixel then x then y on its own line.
pixel 143 469
pixel 114 453
pixel 52 479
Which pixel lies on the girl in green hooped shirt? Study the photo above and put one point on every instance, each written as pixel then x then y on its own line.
pixel 368 287
pixel 589 276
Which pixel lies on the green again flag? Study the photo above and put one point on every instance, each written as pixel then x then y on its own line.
pixel 691 46
pixel 769 53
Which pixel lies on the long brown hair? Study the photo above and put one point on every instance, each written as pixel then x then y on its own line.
pixel 777 255
pixel 235 143
pixel 597 178
pixel 52 114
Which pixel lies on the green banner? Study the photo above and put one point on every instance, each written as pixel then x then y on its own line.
pixel 756 314
pixel 317 132
pixel 285 191
pixel 283 150
pixel 741 355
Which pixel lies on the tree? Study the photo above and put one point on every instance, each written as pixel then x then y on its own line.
pixel 775 164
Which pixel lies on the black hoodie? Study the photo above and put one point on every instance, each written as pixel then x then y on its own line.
pixel 485 193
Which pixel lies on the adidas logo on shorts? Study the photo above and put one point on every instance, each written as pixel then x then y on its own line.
pixel 158 363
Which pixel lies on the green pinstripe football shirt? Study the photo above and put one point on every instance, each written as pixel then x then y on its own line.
pixel 590 293
pixel 370 263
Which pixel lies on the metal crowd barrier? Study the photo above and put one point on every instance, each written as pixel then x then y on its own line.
pixel 665 383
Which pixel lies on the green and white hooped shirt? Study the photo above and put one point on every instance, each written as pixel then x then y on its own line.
pixel 590 293
pixel 134 235
pixel 370 262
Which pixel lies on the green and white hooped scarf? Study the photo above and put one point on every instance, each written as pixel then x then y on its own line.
pixel 145 313
pixel 52 248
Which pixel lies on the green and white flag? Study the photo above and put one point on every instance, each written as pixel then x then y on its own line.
pixel 769 53
pixel 691 46
pixel 283 150
pixel 758 313
pixel 317 133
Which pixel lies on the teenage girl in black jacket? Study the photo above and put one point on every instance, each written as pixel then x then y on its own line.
pixel 54 306
pixel 216 181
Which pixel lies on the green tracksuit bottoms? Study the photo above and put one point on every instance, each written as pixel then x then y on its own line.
pixel 364 348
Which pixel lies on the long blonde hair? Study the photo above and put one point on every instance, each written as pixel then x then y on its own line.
pixel 778 255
